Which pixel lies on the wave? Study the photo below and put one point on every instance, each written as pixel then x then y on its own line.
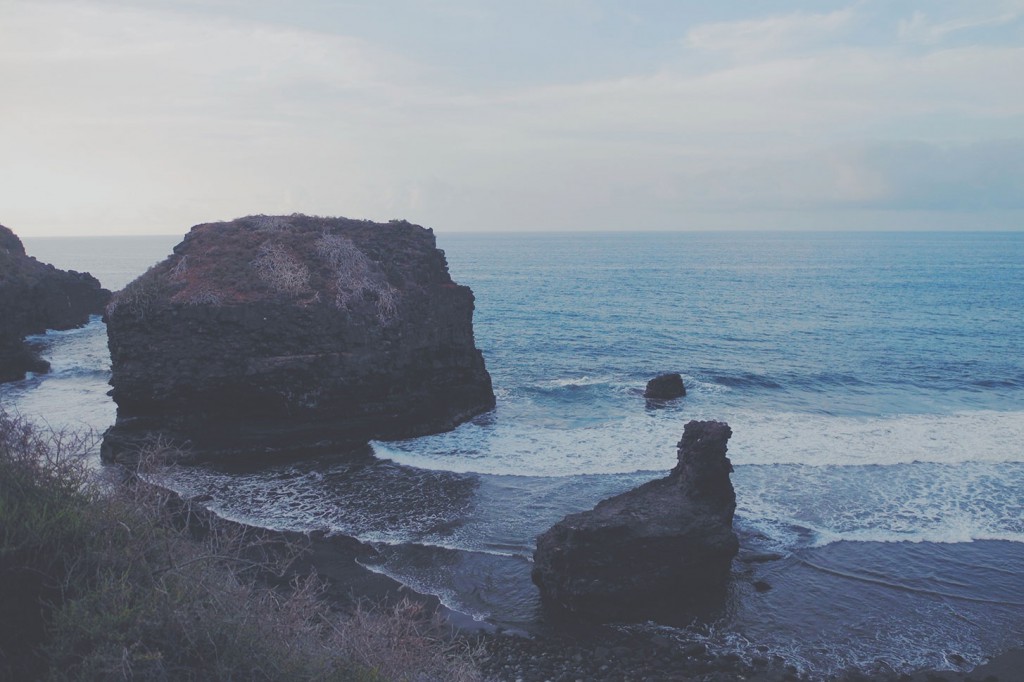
pixel 746 380
pixel 924 377
pixel 575 382
pixel 449 598
pixel 787 506
pixel 646 442
pixel 95 322
pixel 827 440
pixel 987 384
pixel 390 540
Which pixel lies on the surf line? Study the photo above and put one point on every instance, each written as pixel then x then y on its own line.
pixel 905 588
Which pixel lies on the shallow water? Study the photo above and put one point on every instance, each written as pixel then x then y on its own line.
pixel 874 384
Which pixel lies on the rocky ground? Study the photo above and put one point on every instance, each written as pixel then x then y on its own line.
pixel 568 652
pixel 635 658
pixel 611 655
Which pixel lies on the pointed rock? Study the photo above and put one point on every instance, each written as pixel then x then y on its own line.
pixel 656 552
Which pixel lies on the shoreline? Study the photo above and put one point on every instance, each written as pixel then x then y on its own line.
pixel 573 651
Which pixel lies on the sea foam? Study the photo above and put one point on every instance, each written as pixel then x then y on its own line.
pixel 645 441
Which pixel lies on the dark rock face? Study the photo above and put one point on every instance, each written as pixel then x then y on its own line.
pixel 665 387
pixel 657 551
pixel 35 297
pixel 283 335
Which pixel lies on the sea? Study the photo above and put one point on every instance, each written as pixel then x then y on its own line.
pixel 874 383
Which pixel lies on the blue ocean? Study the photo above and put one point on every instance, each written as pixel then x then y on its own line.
pixel 874 383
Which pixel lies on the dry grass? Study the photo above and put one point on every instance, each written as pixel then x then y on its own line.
pixel 127 582
pixel 403 642
pixel 271 223
pixel 140 295
pixel 354 275
pixel 281 270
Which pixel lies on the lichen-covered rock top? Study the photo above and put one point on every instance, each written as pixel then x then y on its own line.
pixel 35 297
pixel 293 333
pixel 354 265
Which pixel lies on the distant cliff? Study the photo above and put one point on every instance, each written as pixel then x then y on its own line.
pixel 35 297
pixel 287 334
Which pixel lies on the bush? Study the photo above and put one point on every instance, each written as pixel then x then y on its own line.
pixel 45 494
pixel 141 294
pixel 127 581
pixel 280 270
pixel 355 275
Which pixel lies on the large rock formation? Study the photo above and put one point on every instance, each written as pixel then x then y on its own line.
pixel 654 552
pixel 283 335
pixel 35 297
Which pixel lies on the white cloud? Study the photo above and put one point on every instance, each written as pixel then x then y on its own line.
pixel 768 35
pixel 121 119
pixel 920 29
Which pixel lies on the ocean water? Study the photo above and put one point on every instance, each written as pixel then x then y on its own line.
pixel 874 383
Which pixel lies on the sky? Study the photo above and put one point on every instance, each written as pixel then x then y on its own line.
pixel 149 116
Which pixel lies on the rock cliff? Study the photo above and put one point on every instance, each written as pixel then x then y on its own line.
pixel 283 335
pixel 656 552
pixel 35 297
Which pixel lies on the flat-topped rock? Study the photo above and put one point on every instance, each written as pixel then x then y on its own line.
pixel 661 550
pixel 282 335
pixel 35 297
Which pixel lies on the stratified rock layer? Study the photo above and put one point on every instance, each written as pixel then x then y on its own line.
pixel 284 335
pixel 660 550
pixel 35 297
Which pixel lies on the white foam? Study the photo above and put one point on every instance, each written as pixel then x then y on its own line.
pixel 584 380
pixel 635 443
pixel 646 441
pixel 448 597
pixel 798 505
pixel 795 438
pixel 401 539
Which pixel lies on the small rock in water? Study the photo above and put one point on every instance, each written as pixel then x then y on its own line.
pixel 665 387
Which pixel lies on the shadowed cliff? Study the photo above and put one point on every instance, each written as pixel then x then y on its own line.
pixel 284 335
pixel 35 297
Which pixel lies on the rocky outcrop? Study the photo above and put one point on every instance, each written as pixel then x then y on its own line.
pixel 657 551
pixel 35 297
pixel 665 387
pixel 284 335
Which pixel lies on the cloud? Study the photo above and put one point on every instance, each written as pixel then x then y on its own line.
pixel 915 175
pixel 121 118
pixel 769 35
pixel 157 60
pixel 920 29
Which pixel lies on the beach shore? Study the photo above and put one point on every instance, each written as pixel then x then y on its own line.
pixel 569 652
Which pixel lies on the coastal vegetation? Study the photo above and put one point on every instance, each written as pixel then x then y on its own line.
pixel 103 576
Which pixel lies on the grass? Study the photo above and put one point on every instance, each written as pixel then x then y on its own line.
pixel 120 580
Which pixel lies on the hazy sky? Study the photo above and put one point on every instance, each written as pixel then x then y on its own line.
pixel 148 116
